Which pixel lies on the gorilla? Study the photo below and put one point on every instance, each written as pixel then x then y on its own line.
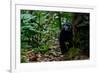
pixel 65 38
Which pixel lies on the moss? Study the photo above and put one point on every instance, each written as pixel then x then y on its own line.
pixel 72 53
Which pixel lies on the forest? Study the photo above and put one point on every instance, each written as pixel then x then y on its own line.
pixel 53 36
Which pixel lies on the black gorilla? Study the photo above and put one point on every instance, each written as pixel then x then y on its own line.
pixel 65 38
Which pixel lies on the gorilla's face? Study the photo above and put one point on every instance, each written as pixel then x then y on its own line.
pixel 67 27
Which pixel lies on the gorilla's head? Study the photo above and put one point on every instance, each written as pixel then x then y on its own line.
pixel 67 26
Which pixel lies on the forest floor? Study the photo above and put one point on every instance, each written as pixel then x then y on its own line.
pixel 53 54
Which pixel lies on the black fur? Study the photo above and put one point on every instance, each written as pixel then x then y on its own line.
pixel 65 38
